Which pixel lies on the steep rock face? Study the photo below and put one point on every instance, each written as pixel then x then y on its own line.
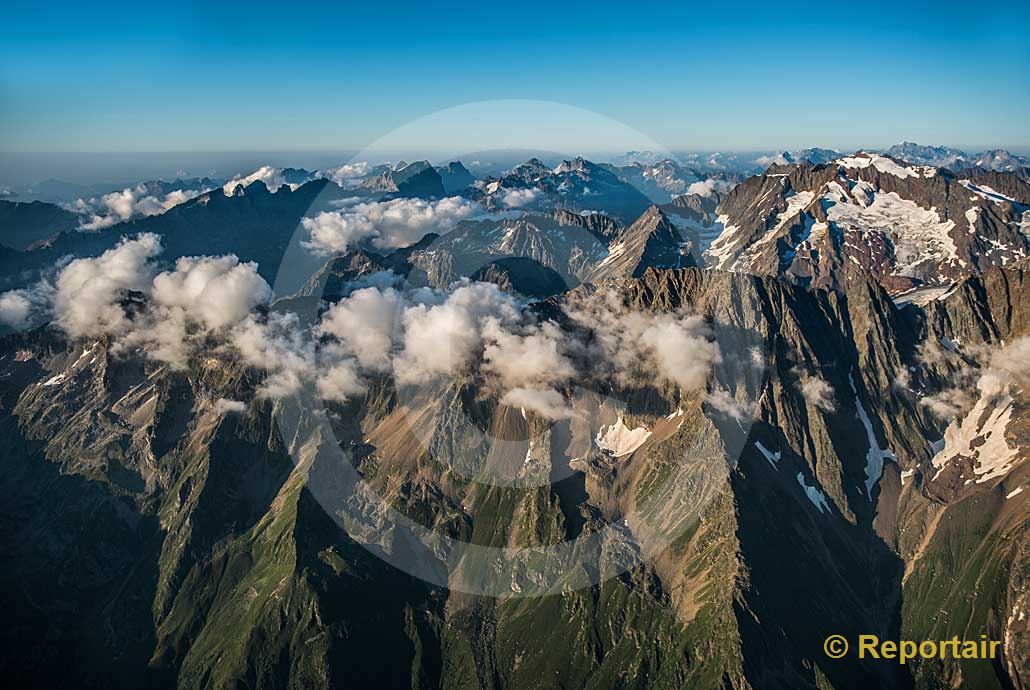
pixel 590 247
pixel 696 218
pixel 455 177
pixel 193 554
pixel 522 275
pixel 651 241
pixel 418 179
pixel 963 516
pixel 570 249
pixel 871 216
pixel 603 227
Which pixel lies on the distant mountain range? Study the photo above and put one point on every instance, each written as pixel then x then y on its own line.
pixel 997 160
pixel 772 222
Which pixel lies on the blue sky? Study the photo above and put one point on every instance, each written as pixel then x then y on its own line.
pixel 297 76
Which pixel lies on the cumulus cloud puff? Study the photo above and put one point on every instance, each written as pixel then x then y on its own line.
pixel 122 295
pixel 226 406
pixel 721 400
pixel 272 178
pixel 215 290
pixel 427 334
pixel 87 295
pixel 365 323
pixel 818 393
pixel 709 187
pixel 348 175
pixel 949 403
pixel 1009 365
pixel 517 198
pixel 678 346
pixel 24 308
pixel 131 202
pixel 547 403
pixel 778 159
pixel 387 224
pixel 441 339
pixel 531 355
pixel 278 345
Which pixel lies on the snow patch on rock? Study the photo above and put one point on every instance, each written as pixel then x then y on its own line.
pixel 619 440
pixel 773 458
pixel 875 456
pixel 817 497
pixel 980 435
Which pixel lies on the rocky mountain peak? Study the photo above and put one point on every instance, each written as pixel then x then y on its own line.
pixel 651 241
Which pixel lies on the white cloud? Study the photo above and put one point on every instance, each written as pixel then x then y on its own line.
pixel 638 346
pixel 217 291
pixel 202 296
pixel 365 323
pixel 341 381
pixel 279 346
pixel 15 307
pixel 948 403
pixel 426 334
pixel 517 198
pixel 441 339
pixel 26 307
pixel 387 224
pixel 818 393
pixel 226 406
pixel 548 403
pixel 722 401
pixel 346 175
pixel 532 357
pixel 681 348
pixel 276 345
pixel 88 290
pixel 1009 365
pixel 174 311
pixel 271 177
pixel 709 186
pixel 778 159
pixel 131 202
pixel 335 232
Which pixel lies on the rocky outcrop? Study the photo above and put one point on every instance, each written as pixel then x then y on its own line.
pixel 651 241
pixel 870 216
pixel 455 177
pixel 415 180
pixel 522 275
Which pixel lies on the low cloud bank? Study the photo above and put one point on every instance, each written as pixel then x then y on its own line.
pixel 132 202
pixel 215 304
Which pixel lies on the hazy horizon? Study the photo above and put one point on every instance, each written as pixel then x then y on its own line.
pixel 19 169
